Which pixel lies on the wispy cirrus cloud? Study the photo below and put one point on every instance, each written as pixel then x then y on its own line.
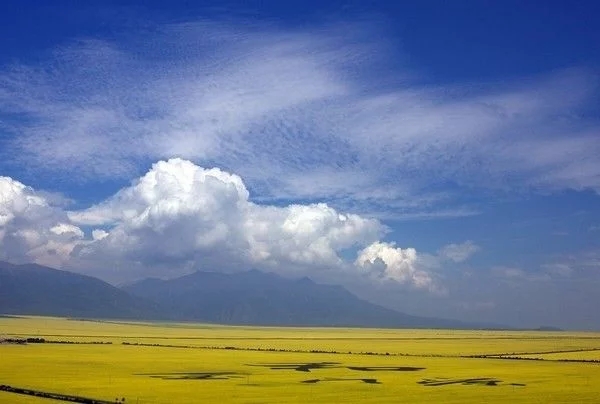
pixel 458 252
pixel 302 114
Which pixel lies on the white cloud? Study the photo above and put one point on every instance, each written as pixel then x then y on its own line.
pixel 98 234
pixel 278 104
pixel 458 252
pixel 386 261
pixel 31 229
pixel 180 217
pixel 182 214
pixel 67 229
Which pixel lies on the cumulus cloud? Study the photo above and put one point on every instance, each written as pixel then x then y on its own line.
pixel 277 104
pixel 181 214
pixel 31 229
pixel 458 252
pixel 180 217
pixel 386 261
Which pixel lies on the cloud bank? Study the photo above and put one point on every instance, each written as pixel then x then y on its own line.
pixel 180 217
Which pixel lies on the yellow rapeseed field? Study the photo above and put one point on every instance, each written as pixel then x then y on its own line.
pixel 199 363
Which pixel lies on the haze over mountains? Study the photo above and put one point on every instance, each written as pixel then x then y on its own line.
pixel 252 297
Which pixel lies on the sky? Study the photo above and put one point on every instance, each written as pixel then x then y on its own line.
pixel 439 158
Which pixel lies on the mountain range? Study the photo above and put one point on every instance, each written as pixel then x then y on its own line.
pixel 250 298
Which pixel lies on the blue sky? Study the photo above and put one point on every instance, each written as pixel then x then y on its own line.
pixel 440 158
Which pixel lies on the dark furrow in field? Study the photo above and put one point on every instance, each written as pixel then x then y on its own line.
pixel 507 357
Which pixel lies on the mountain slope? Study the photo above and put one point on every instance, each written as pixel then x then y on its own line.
pixel 260 298
pixel 38 290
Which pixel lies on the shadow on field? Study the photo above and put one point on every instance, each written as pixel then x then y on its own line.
pixel 307 367
pixel 331 379
pixel 481 381
pixel 299 367
pixel 385 368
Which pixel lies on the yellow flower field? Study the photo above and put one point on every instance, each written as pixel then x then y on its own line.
pixel 188 363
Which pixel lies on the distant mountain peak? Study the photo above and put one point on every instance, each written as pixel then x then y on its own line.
pixel 306 280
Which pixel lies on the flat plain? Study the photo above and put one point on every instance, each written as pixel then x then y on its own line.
pixel 151 362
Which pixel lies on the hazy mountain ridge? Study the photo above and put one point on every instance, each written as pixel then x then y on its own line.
pixel 38 290
pixel 251 298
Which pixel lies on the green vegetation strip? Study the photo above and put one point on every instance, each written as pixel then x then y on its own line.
pixel 56 396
